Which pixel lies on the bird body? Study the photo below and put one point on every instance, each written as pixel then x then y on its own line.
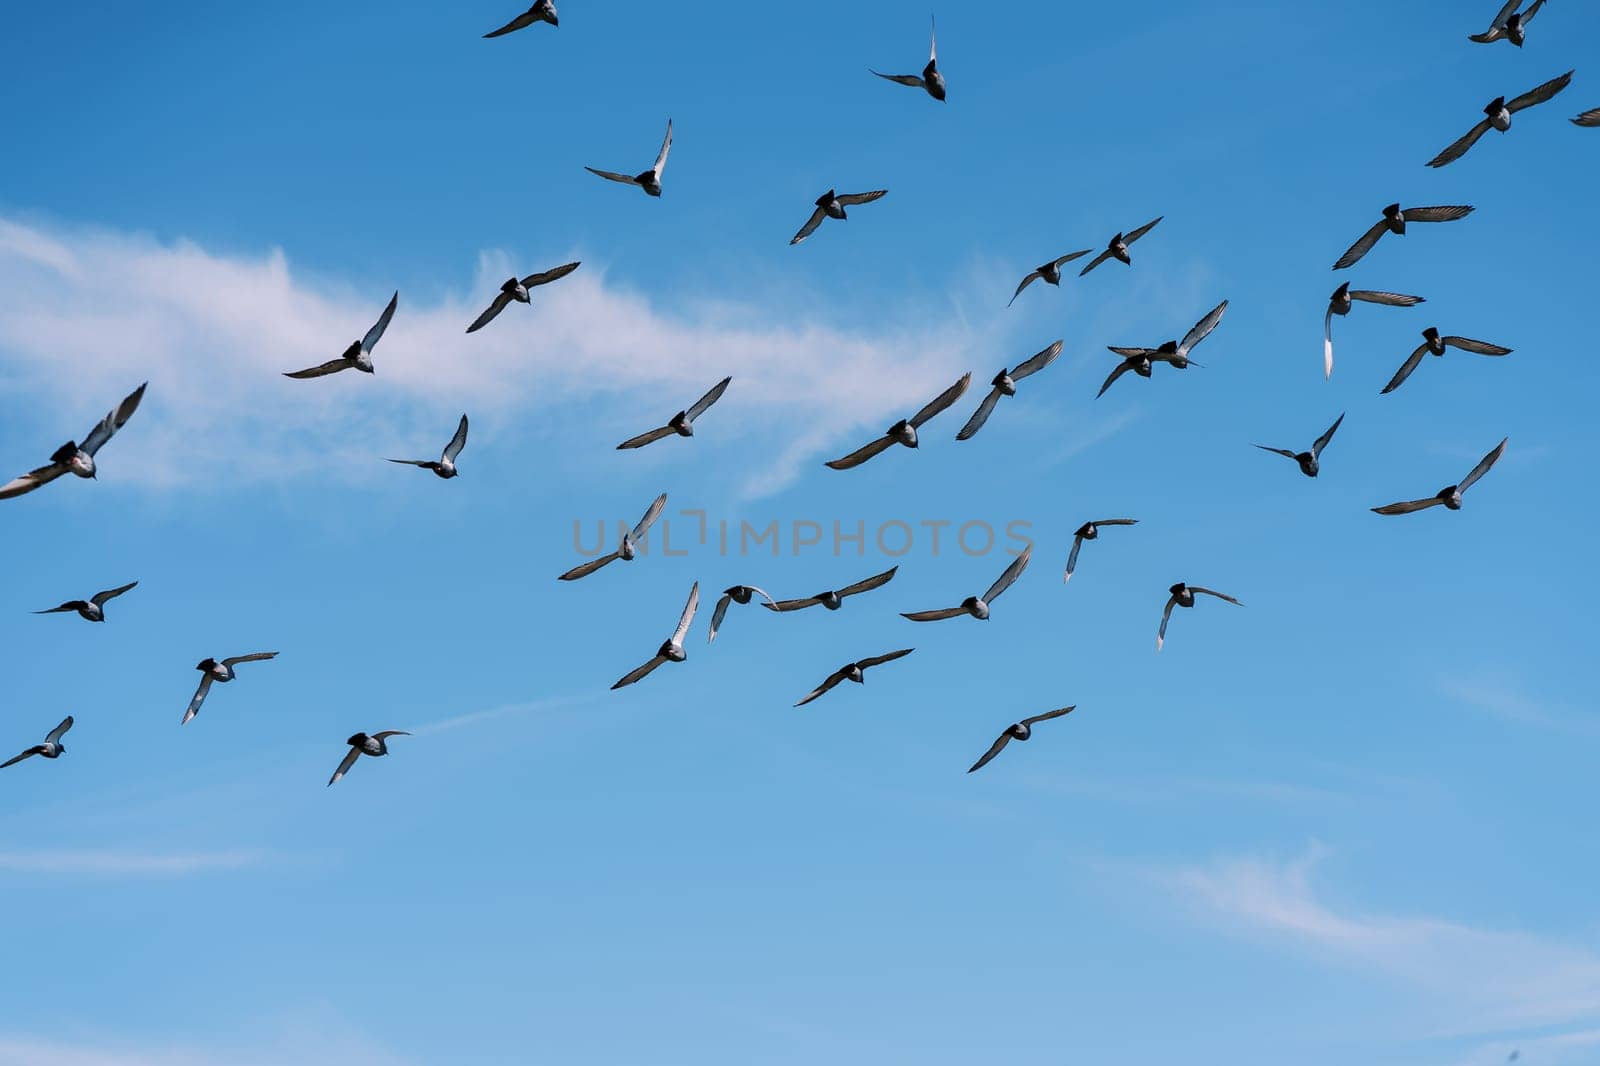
pixel 374 745
pixel 740 594
pixel 833 599
pixel 1090 531
pixel 1005 384
pixel 52 748
pixel 1117 247
pixel 671 650
pixel 1310 462
pixel 931 81
pixel 92 609
pixel 856 672
pixel 832 204
pixel 543 11
pixel 1394 221
pixel 1183 595
pixel 74 458
pixel 978 606
pixel 1342 301
pixel 682 423
pixel 649 180
pixel 516 290
pixel 1435 345
pixel 1022 730
pixel 627 550
pixel 1449 496
pixel 222 672
pixel 359 355
pixel 445 465
pixel 1497 116
pixel 904 432
pixel 1510 24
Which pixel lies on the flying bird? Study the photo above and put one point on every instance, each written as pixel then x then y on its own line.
pixel 92 609
pixel 1310 462
pixel 627 549
pixel 1588 118
pixel 1090 531
pixel 905 431
pixel 740 594
pixel 1450 497
pixel 543 11
pixel 359 355
pixel 72 457
pixel 518 291
pixel 1022 730
pixel 978 606
pixel 1498 114
pixel 1183 596
pixel 1176 353
pixel 832 205
pixel 854 672
pixel 373 744
pixel 221 672
pixel 1341 302
pixel 1510 24
pixel 672 650
pixel 1394 221
pixel 649 180
pixel 1050 273
pixel 1433 344
pixel 1118 247
pixel 833 600
pixel 1005 384
pixel 681 423
pixel 930 79
pixel 445 465
pixel 50 749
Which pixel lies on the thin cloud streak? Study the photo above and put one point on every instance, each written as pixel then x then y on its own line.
pixel 125 863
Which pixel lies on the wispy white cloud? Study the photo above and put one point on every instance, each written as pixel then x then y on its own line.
pixel 96 863
pixel 1501 695
pixel 305 1043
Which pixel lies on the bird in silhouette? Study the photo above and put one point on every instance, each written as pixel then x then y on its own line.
pixel 832 205
pixel 905 431
pixel 1450 497
pixel 1394 220
pixel 1310 462
pixel 220 672
pixel 445 465
pixel 1090 531
pixel 1590 119
pixel 543 11
pixel 834 599
pixel 854 672
pixel 629 547
pixel 1510 24
pixel 1118 247
pixel 1050 273
pixel 1340 303
pixel 92 609
pixel 1174 353
pixel 1433 344
pixel 930 80
pixel 73 458
pixel 1005 384
pixel 515 290
pixel 1498 114
pixel 978 606
pixel 1022 730
pixel 1184 596
pixel 359 355
pixel 649 180
pixel 50 749
pixel 740 594
pixel 681 423
pixel 375 745
pixel 671 651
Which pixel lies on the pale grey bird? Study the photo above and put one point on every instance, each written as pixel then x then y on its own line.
pixel 74 458
pixel 1022 730
pixel 1118 247
pixel 1341 302
pixel 1050 273
pixel 1510 24
pixel 854 672
pixel 50 749
pixel 359 355
pixel 445 465
pixel 1451 496
pixel 740 594
pixel 834 599
pixel 649 180
pixel 543 11
pixel 832 205
pixel 627 549
pixel 681 423
pixel 375 745
pixel 1174 353
pixel 92 609
pixel 978 606
pixel 1433 344
pixel 671 651
pixel 514 290
pixel 1309 462
pixel 1394 221
pixel 1005 384
pixel 220 672
pixel 1090 531
pixel 931 81
pixel 1498 114
pixel 1590 119
pixel 1183 596
pixel 905 431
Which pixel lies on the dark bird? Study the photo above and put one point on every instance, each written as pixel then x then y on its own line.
pixel 740 594
pixel 92 609
pixel 72 457
pixel 220 672
pixel 1588 118
pixel 905 431
pixel 1433 344
pixel 854 672
pixel 1005 384
pixel 627 549
pixel 1510 24
pixel 681 423
pixel 1394 221
pixel 930 79
pixel 1118 247
pixel 374 744
pixel 1183 596
pixel 1310 462
pixel 1090 531
pixel 978 606
pixel 1050 273
pixel 1498 114
pixel 1341 302
pixel 543 11
pixel 832 205
pixel 1450 497
pixel 650 180
pixel 1022 730
pixel 833 600
pixel 445 465
pixel 359 355
pixel 50 749
pixel 1141 360
pixel 672 650
pixel 518 291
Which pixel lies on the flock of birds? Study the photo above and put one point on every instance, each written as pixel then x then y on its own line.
pixel 1510 24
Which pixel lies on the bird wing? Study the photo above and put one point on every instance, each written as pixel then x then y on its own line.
pixel 1411 363
pixel 1212 592
pixel 1117 522
pixel 390 733
pixel 994 749
pixel 332 366
pixel 1408 507
pixel 933 39
pixel 70 605
pixel 642 439
pixel 1166 616
pixel 1034 364
pixel 718 615
pixel 810 227
pixel 703 404
pixel 1096 261
pixel 1448 213
pixel 199 698
pixel 785 606
pixel 611 175
pixel 1467 344
pixel 1361 247
pixel 934 616
pixel 253 657
pixel 980 416
pixel 1029 280
pixel 1133 353
pixel 457 442
pixel 1009 575
pixel 1322 441
pixel 1533 9
pixel 1489 36
pixel 650 516
pixel 1459 147
pixel 1072 559
pixel 99 599
pixel 1588 118
pixel 1070 256
pixel 686 619
pixel 1505 14
pixel 501 302
pixel 1142 230
pixel 638 673
pixel 1285 452
pixel 547 276
pixel 666 147
pixel 879 660
pixel 1121 369
pixel 521 22
pixel 1541 94
pixel 375 334
pixel 1483 467
pixel 1327 344
pixel 429 463
pixel 861 455
pixel 876 581
pixel 851 199
pixel 1391 299
pixel 942 401
pixel 833 679
pixel 55 735
pixel 18 758
pixel 1202 329
pixel 32 480
pixel 585 569
pixel 113 421
pixel 903 79
pixel 351 756
pixel 1046 716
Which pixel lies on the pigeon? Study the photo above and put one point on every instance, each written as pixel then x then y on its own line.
pixel 223 672
pixel 445 465
pixel 1340 303
pixel 1005 384
pixel 543 11
pixel 627 549
pixel 1450 497
pixel 930 79
pixel 72 457
pixel 1310 462
pixel 1050 272
pixel 1090 531
pixel 373 744
pixel 672 650
pixel 854 672
pixel 1118 247
pixel 832 205
pixel 518 291
pixel 833 600
pixel 93 609
pixel 650 180
pixel 978 606
pixel 50 749
pixel 1394 221
pixel 904 431
pixel 1589 119
pixel 1433 344
pixel 1176 353
pixel 359 355
pixel 1510 24
pixel 1020 731
pixel 740 594
pixel 681 423
pixel 1183 596
pixel 1498 114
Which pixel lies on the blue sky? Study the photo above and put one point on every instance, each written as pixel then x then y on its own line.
pixel 1348 822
